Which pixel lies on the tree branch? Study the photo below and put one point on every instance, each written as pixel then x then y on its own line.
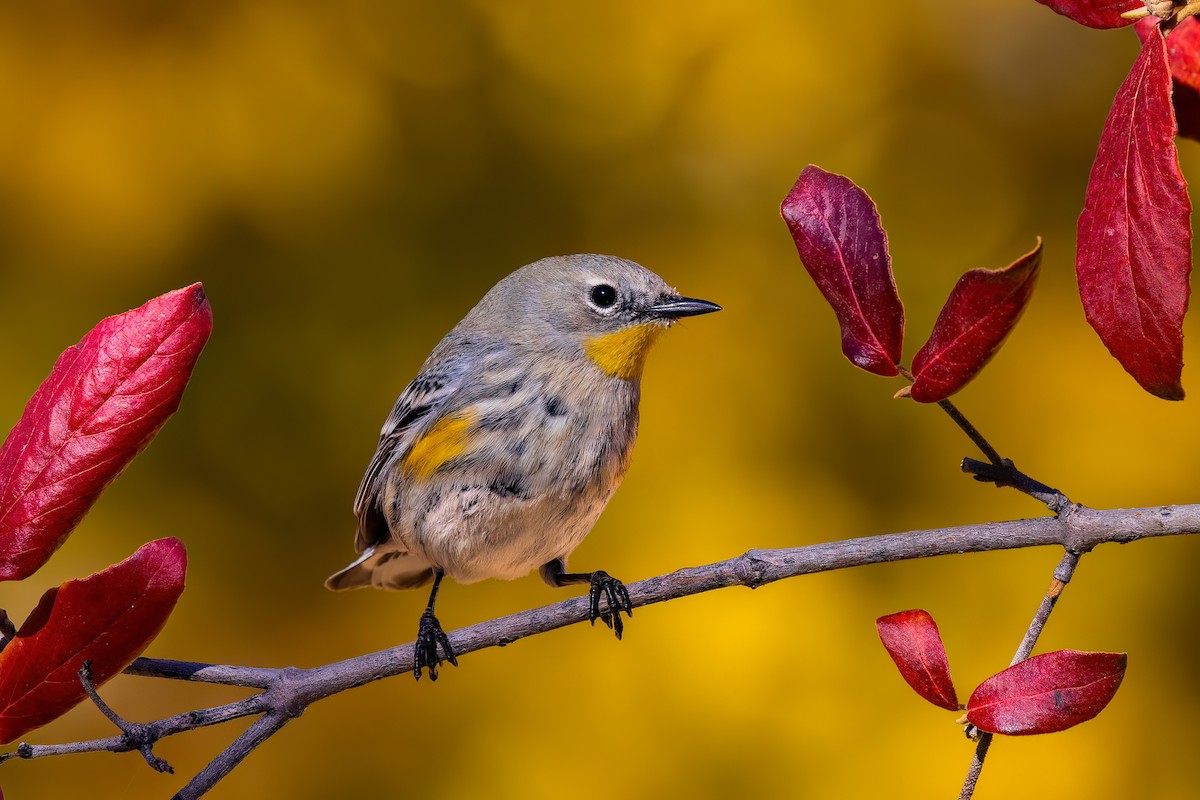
pixel 180 723
pixel 1078 531
pixel 262 729
pixel 287 692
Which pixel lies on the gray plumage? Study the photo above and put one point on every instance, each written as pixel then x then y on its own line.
pixel 501 454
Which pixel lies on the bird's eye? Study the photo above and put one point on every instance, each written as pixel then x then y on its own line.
pixel 603 295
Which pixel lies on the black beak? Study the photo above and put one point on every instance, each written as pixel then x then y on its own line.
pixel 676 307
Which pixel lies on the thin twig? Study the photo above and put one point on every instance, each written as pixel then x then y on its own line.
pixel 1007 474
pixel 981 750
pixel 1062 576
pixel 134 735
pixel 180 723
pixel 959 418
pixel 971 431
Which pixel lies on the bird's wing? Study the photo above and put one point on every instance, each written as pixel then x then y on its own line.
pixel 418 406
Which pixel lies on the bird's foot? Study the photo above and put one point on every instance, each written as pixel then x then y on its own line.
pixel 429 636
pixel 617 597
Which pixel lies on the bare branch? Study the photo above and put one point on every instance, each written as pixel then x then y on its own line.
pixel 134 735
pixel 971 431
pixel 1078 531
pixel 180 723
pixel 287 692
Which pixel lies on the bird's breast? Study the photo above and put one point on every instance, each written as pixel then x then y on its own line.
pixel 533 462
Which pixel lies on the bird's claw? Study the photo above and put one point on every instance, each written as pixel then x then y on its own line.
pixel 429 636
pixel 615 595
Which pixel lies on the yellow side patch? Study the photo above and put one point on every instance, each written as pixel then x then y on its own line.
pixel 622 354
pixel 448 438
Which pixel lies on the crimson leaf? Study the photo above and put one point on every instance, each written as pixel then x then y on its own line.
pixel 981 311
pixel 1134 242
pixel 1183 54
pixel 102 403
pixel 914 643
pixel 844 248
pixel 1047 693
pixel 107 618
pixel 1095 13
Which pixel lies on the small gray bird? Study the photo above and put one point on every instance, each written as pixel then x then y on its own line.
pixel 500 455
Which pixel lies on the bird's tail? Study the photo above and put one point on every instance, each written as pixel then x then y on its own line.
pixel 385 566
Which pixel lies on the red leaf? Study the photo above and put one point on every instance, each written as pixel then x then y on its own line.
pixel 108 618
pixel 981 311
pixel 913 642
pixel 103 402
pixel 1183 54
pixel 1047 693
pixel 844 248
pixel 1095 13
pixel 1135 237
pixel 1183 48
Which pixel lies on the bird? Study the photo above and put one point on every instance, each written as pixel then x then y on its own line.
pixel 500 455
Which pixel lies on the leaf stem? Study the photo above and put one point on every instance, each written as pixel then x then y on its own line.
pixel 961 421
pixel 972 432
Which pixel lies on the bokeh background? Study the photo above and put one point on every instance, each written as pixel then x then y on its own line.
pixel 347 178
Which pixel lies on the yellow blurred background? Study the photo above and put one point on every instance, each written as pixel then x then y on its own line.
pixel 347 178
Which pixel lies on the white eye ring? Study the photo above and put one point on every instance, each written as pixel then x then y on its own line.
pixel 602 296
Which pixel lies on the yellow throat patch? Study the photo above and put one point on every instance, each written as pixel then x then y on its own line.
pixel 448 438
pixel 622 354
